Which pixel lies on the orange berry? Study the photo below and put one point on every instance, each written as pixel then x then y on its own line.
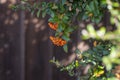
pixel 53 26
pixel 57 41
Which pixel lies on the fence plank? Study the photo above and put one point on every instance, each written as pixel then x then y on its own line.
pixel 22 46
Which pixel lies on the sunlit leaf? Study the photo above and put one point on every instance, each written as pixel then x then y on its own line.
pixel 38 13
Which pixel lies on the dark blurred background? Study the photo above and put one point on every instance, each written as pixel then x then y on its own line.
pixel 25 48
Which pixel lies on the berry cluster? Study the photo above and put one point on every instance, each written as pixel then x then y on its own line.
pixel 56 40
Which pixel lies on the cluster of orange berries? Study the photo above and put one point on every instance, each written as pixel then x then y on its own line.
pixel 53 26
pixel 56 40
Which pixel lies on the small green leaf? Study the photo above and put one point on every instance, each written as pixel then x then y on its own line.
pixel 44 4
pixel 88 8
pixel 38 13
pixel 65 19
pixel 85 16
pixel 60 29
pixel 91 6
pixel 62 8
pixel 65 47
pixel 13 7
pixel 65 37
pixel 69 29
pixel 57 34
pixel 63 2
pixel 54 6
pixel 43 14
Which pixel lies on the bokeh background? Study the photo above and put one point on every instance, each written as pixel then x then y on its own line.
pixel 25 48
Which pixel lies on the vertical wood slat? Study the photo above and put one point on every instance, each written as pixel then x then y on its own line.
pixel 22 46
pixel 49 69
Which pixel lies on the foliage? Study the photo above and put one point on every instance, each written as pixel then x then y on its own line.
pixel 97 63
pixel 65 13
pixel 90 63
pixel 113 36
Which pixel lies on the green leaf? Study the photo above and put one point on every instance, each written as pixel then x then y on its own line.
pixel 91 6
pixel 65 47
pixel 91 31
pixel 57 34
pixel 54 6
pixel 83 5
pixel 107 62
pixel 13 7
pixel 63 2
pixel 97 20
pixel 88 8
pixel 50 12
pixel 85 16
pixel 69 29
pixel 44 4
pixel 62 8
pixel 65 37
pixel 77 51
pixel 60 29
pixel 43 13
pixel 65 19
pixel 54 19
pixel 38 13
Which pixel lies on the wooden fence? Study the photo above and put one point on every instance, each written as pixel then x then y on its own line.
pixel 25 48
